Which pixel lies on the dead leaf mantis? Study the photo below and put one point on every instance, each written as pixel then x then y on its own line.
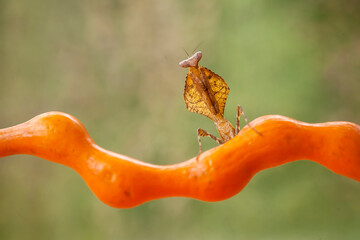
pixel 206 93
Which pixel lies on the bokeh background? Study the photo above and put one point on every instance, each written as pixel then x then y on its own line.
pixel 114 65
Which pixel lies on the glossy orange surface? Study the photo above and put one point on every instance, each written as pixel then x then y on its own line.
pixel 220 173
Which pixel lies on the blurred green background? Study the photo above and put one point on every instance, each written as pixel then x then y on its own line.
pixel 114 65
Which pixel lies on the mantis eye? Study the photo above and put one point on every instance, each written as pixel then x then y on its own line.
pixel 192 61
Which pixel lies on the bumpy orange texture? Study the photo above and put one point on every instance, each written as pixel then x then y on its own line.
pixel 220 173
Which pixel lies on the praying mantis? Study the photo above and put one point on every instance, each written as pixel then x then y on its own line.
pixel 206 93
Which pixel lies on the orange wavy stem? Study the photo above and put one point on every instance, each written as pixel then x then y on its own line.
pixel 220 173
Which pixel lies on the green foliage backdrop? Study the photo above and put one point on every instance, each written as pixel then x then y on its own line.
pixel 113 65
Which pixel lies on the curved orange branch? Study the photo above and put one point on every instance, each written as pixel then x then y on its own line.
pixel 220 173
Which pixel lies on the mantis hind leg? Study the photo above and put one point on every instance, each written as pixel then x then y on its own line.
pixel 203 133
pixel 240 112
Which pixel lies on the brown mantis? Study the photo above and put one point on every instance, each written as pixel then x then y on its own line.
pixel 206 93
